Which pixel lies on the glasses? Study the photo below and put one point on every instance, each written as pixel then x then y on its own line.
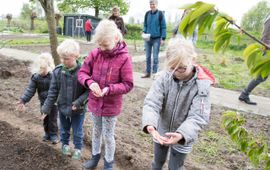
pixel 180 69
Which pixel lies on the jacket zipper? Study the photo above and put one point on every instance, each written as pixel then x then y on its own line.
pixel 175 107
pixel 110 73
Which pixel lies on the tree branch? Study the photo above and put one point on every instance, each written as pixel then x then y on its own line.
pixel 245 32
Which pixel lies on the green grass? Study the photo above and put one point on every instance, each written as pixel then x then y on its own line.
pixel 211 147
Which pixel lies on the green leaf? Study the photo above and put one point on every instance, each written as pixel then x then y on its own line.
pixel 183 25
pixel 212 19
pixel 203 8
pixel 250 48
pixel 192 27
pixel 243 146
pixel 222 41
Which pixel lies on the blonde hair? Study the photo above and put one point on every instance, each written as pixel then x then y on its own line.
pixel 43 60
pixel 68 48
pixel 179 52
pixel 116 8
pixel 107 30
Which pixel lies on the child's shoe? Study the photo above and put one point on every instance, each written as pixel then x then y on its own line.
pixel 54 139
pixel 66 150
pixel 46 137
pixel 93 162
pixel 77 154
pixel 108 165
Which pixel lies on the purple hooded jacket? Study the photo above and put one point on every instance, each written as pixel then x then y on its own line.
pixel 112 69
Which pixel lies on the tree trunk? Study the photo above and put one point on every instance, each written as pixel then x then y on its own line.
pixel 96 11
pixel 32 24
pixel 8 23
pixel 49 13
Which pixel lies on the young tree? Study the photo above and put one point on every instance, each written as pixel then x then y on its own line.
pixel 33 16
pixel 254 18
pixel 9 18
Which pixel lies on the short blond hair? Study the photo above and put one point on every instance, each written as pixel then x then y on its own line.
pixel 44 60
pixel 107 30
pixel 179 52
pixel 68 48
pixel 116 8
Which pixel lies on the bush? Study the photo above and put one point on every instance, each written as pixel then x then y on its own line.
pixel 133 32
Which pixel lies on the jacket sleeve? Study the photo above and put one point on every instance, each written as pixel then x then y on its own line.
pixel 153 104
pixel 85 72
pixel 266 32
pixel 126 84
pixel 145 23
pixel 30 90
pixel 81 99
pixel 52 95
pixel 163 27
pixel 198 117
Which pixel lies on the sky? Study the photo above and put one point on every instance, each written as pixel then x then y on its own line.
pixel 234 8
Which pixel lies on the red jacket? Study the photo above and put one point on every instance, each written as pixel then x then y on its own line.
pixel 109 69
pixel 88 26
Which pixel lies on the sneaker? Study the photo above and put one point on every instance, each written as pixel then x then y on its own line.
pixel 66 150
pixel 54 139
pixel 46 137
pixel 77 154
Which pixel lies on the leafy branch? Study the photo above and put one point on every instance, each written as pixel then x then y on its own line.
pixel 255 148
pixel 204 16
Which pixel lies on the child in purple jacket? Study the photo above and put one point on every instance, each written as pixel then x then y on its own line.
pixel 107 72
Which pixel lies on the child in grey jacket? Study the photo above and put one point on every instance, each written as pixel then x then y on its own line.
pixel 177 106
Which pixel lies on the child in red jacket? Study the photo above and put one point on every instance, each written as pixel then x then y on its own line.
pixel 107 72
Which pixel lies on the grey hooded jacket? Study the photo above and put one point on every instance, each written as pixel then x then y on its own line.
pixel 176 106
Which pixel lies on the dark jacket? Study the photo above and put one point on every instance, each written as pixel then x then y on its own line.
pixel 266 31
pixel 120 23
pixel 38 83
pixel 66 91
pixel 155 24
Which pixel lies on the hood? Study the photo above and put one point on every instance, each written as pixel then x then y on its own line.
pixel 205 74
pixel 119 49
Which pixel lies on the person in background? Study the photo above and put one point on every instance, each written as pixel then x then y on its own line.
pixel 118 20
pixel 88 30
pixel 155 25
pixel 244 96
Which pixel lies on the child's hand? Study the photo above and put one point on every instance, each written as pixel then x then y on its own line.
pixel 74 107
pixel 94 87
pixel 20 107
pixel 156 135
pixel 105 91
pixel 173 138
pixel 42 116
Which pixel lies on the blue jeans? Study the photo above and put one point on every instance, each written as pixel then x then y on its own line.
pixel 155 44
pixel 176 160
pixel 76 122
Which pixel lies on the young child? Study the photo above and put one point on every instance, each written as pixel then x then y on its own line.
pixel 177 106
pixel 107 72
pixel 40 82
pixel 70 96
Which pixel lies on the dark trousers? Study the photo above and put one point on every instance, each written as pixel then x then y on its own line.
pixel 88 35
pixel 50 122
pixel 176 160
pixel 252 84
